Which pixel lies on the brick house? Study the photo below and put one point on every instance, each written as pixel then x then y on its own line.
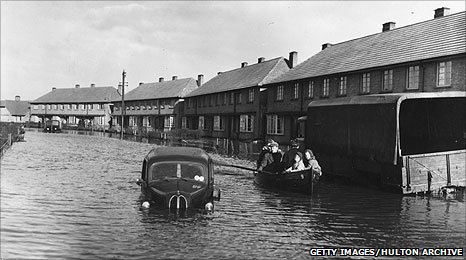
pixel 429 56
pixel 231 104
pixel 86 106
pixel 154 106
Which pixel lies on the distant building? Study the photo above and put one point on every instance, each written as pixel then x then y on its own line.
pixel 231 104
pixel 89 107
pixel 15 110
pixel 154 106
pixel 428 56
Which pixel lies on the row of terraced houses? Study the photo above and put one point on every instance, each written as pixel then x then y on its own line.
pixel 266 99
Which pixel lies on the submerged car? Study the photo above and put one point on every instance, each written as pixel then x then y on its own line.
pixel 178 177
pixel 52 126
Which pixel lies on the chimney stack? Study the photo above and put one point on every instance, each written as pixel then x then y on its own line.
pixel 200 80
pixel 293 59
pixel 440 12
pixel 218 73
pixel 76 86
pixel 260 60
pixel 326 45
pixel 17 98
pixel 388 26
pixel 161 79
pixel 244 64
pixel 174 77
pixel 53 88
pixel 140 83
pixel 92 85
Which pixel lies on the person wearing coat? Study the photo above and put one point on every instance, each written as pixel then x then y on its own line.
pixel 272 159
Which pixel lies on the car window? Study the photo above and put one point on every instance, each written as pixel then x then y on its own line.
pixel 177 170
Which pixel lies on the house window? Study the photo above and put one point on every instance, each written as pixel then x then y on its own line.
pixel 296 91
pixel 444 74
pixel 169 122
pixel 326 88
pixel 145 121
pixel 43 106
pixel 201 123
pixel 184 125
pixel 310 89
pixel 218 123
pixel 279 93
pixel 210 100
pixel 413 78
pixel 246 123
pixel 225 98
pixel 342 87
pixel 35 107
pixel 232 98
pixel 190 102
pixel 75 106
pixel 238 99
pixel 55 107
pixel 387 84
pixel 275 125
pixel 70 106
pixel 251 96
pixel 366 83
pixel 199 99
pixel 81 107
pixel 219 99
pixel 131 121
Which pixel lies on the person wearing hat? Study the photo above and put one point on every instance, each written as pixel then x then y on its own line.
pixel 310 162
pixel 265 149
pixel 271 162
pixel 289 156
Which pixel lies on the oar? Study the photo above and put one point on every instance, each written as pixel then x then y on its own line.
pixel 235 166
pixel 241 167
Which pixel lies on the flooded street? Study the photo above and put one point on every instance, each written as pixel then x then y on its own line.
pixel 70 196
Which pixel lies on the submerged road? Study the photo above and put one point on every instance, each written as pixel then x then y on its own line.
pixel 70 196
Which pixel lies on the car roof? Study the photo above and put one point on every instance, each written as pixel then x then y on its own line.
pixel 164 153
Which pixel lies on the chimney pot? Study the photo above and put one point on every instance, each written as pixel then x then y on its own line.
pixel 76 86
pixel 53 88
pixel 92 85
pixel 161 79
pixel 326 45
pixel 200 79
pixel 293 59
pixel 17 98
pixel 440 12
pixel 174 77
pixel 261 59
pixel 244 64
pixel 388 26
pixel 140 83
pixel 218 73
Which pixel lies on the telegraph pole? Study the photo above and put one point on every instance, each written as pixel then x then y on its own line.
pixel 123 109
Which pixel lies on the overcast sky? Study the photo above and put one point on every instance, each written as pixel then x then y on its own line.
pixel 45 44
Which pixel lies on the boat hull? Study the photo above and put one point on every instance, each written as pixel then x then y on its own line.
pixel 300 181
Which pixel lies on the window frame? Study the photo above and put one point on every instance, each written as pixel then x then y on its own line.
pixel 366 83
pixel 326 87
pixel 246 124
pixel 447 74
pixel 275 124
pixel 343 86
pixel 387 80
pixel 279 93
pixel 413 76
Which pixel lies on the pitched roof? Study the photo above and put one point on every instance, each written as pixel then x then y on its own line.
pixel 79 95
pixel 16 108
pixel 439 37
pixel 165 89
pixel 249 76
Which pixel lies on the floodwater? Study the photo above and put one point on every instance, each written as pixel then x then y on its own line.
pixel 71 196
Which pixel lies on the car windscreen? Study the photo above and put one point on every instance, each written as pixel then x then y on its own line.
pixel 188 170
pixel 55 123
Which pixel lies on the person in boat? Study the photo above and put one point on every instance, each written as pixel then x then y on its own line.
pixel 289 156
pixel 265 149
pixel 298 163
pixel 272 159
pixel 310 162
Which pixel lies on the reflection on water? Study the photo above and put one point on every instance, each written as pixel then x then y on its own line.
pixel 71 196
